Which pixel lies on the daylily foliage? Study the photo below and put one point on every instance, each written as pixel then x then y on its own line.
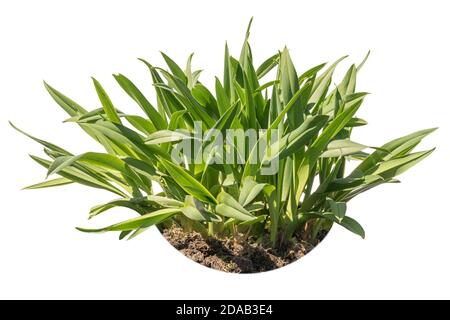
pixel 309 192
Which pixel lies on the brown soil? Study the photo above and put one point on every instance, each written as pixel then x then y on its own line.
pixel 237 255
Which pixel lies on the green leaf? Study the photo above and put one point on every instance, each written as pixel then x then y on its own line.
pixel 102 159
pixel 188 183
pixel 174 68
pixel 314 151
pixel 245 56
pixel 391 149
pixel 337 208
pixel 167 102
pixel 285 110
pixel 249 191
pixel 258 219
pixel 80 177
pixel 356 122
pixel 123 234
pixel 186 98
pixel 125 140
pixel 70 106
pixel 364 61
pixel 46 144
pixel 157 120
pixel 164 136
pixel 353 226
pixel 223 101
pixel 143 221
pixel 267 65
pixel 311 72
pixel 231 208
pixel 175 120
pixel 339 148
pixel 322 83
pixel 391 168
pixel 267 85
pixel 188 72
pixel 110 111
pixel 194 210
pixel 289 86
pixel 165 202
pixel 297 138
pixel 347 222
pixel 50 183
pixel 124 202
pixel 141 124
pixel 205 98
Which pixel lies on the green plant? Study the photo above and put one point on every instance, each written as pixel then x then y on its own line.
pixel 314 121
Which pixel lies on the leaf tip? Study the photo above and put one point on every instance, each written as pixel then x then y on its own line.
pixel 249 26
pixel 88 230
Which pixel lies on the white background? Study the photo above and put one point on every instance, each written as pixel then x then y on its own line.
pixel 405 254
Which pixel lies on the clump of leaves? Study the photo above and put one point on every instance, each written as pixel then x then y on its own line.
pixel 307 194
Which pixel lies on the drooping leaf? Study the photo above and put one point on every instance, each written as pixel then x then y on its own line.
pixel 143 221
pixel 347 222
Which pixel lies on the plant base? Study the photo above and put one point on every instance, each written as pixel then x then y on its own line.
pixel 237 254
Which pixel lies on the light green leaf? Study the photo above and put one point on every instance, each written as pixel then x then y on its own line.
pixel 124 202
pixel 102 159
pixel 257 219
pixel 50 183
pixel 164 136
pixel 339 148
pixel 194 210
pixel 46 144
pixel 70 106
pixel 80 177
pixel 143 221
pixel 391 168
pixel 389 150
pixel 110 111
pixel 231 208
pixel 249 191
pixel 165 202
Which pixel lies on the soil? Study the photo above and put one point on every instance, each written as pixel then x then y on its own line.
pixel 237 254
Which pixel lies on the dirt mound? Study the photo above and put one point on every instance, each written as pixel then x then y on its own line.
pixel 237 255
